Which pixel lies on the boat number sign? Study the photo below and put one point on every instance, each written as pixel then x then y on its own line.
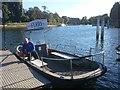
pixel 36 24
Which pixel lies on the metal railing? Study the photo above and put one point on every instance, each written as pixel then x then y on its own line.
pixel 90 53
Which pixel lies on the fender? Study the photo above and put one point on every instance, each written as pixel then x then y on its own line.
pixel 19 48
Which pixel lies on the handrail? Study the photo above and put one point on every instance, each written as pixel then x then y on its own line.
pixel 75 59
pixel 65 46
pixel 92 54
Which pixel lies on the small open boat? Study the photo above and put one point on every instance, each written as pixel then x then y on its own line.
pixel 66 70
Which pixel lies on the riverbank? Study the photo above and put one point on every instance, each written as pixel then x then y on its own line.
pixel 14 25
pixel 20 25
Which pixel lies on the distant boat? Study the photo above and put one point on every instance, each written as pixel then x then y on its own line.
pixel 61 24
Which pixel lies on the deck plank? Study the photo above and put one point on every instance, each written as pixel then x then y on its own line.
pixel 16 74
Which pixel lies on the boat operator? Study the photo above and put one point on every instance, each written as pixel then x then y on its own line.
pixel 28 49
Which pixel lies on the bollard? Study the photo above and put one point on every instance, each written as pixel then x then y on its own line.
pixel 97 28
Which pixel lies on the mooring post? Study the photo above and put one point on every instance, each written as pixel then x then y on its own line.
pixel 102 29
pixel 102 49
pixel 4 36
pixel 108 23
pixel 3 31
pixel 97 28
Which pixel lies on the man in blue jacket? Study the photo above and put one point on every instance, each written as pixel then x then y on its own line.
pixel 29 49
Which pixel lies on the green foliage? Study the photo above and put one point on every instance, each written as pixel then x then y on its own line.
pixel 84 20
pixel 6 13
pixel 93 20
pixel 44 7
pixel 34 13
pixel 14 12
pixel 66 19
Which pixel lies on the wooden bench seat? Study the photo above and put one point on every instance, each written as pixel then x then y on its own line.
pixel 64 55
pixel 38 62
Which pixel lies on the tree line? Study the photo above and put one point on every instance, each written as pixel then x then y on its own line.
pixel 115 15
pixel 14 12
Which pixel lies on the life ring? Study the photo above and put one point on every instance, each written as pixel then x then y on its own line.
pixel 19 48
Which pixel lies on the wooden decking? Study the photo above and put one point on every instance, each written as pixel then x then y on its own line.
pixel 16 74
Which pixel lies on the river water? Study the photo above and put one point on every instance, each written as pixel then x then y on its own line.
pixel 81 38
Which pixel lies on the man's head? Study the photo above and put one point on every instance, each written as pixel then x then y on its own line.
pixel 26 40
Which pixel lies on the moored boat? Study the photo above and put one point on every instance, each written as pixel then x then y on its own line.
pixel 64 69
pixel 118 52
pixel 118 49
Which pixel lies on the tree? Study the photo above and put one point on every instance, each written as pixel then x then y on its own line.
pixel 56 16
pixel 66 19
pixel 84 20
pixel 44 8
pixel 6 13
pixel 14 9
pixel 34 13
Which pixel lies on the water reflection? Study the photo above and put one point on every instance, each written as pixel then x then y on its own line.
pixel 11 37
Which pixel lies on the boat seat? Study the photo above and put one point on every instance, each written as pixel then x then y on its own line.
pixel 64 55
pixel 39 63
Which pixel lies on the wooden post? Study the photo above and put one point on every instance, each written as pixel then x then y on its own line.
pixel 30 37
pixel 108 23
pixel 102 49
pixel 4 38
pixel 97 28
pixel 102 29
pixel 103 58
pixel 3 29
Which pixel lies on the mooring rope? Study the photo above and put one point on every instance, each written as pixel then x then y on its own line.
pixel 6 56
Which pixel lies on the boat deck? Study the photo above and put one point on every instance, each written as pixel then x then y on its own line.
pixel 64 68
pixel 16 74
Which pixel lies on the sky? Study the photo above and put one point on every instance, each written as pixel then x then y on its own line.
pixel 73 8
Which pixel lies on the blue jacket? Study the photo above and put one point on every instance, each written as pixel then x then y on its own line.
pixel 28 47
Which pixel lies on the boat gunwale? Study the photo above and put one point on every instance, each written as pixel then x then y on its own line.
pixel 91 74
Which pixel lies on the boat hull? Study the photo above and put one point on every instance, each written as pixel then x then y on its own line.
pixel 66 83
pixel 63 82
